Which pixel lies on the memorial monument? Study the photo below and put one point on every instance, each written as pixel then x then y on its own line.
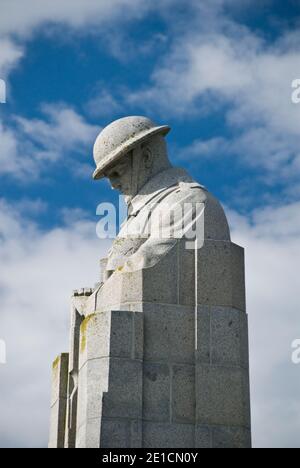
pixel 158 352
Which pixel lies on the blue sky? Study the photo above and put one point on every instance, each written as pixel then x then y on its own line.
pixel 219 73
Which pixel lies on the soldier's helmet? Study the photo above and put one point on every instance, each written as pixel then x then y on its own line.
pixel 120 137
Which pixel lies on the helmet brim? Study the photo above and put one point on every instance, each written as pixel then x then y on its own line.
pixel 113 157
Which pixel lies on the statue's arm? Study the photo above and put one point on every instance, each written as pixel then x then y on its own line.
pixel 169 223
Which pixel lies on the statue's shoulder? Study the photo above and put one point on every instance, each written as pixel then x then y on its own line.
pixel 190 188
pixel 216 224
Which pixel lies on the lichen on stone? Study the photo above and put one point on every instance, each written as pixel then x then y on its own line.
pixel 83 328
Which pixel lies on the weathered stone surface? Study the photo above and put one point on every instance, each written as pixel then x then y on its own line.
pixel 59 377
pixel 203 348
pixel 156 392
pixel 222 396
pixel 136 434
pixel 88 435
pixel 154 280
pixel 214 274
pixel 183 394
pixel 72 393
pixel 231 437
pixel 120 288
pixel 229 337
pixel 221 280
pixel 121 433
pixel 93 381
pixel 94 337
pixel 164 435
pixel 124 397
pixel 169 333
pixel 222 336
pixel 58 401
pixel 147 285
pixel 111 333
pixel 115 433
pixel 221 275
pixel 203 437
pixel 57 424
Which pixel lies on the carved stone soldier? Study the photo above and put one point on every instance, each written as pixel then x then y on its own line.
pixel 132 154
pixel 159 351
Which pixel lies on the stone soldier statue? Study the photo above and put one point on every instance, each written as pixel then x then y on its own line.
pixel 159 350
pixel 132 154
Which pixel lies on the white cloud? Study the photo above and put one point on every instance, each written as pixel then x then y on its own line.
pixel 19 21
pixel 39 271
pixel 104 104
pixel 237 68
pixel 275 154
pixel 8 150
pixel 10 53
pixel 64 129
pixel 34 144
pixel 230 69
pixel 271 238
pixel 22 18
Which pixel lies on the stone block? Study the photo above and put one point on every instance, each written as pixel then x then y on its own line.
pixel 164 435
pixel 203 437
pixel 119 289
pixel 169 333
pixel 93 381
pixel 214 274
pixel 222 396
pixel 126 338
pixel 94 337
pixel 186 275
pixel 183 394
pixel 115 433
pixel 203 351
pixel 111 333
pixel 136 436
pixel 156 392
pixel 221 276
pixel 88 435
pixel 76 320
pixel 57 424
pixel 231 437
pixel 237 266
pixel 124 397
pixel 229 337
pixel 160 283
pixel 59 378
pixel 58 401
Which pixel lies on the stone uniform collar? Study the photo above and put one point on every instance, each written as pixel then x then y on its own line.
pixel 160 182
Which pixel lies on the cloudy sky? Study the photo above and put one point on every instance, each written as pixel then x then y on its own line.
pixel 220 72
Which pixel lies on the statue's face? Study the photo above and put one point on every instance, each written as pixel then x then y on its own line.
pixel 120 175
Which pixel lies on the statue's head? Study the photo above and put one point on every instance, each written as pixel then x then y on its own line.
pixel 129 152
